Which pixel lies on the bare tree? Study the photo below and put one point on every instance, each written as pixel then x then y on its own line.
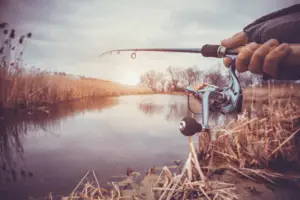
pixel 163 82
pixel 151 79
pixel 174 73
pixel 215 77
pixel 194 75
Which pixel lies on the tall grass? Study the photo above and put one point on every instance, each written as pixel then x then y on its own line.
pixel 22 87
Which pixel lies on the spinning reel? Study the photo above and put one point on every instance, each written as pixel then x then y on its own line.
pixel 214 99
pixel 223 100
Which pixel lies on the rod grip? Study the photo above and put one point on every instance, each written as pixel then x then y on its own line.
pixel 210 50
pixel 216 51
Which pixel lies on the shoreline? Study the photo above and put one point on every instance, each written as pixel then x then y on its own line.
pixel 46 108
pixel 259 94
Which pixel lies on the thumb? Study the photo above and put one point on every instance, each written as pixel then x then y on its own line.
pixel 235 41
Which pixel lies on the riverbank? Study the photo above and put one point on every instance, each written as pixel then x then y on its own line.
pixel 104 89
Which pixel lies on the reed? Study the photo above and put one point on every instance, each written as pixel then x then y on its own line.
pixel 23 87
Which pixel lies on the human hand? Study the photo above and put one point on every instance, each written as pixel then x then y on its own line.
pixel 256 58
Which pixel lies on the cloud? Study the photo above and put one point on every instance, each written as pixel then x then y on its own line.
pixel 70 35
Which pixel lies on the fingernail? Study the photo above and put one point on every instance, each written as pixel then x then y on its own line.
pixel 273 43
pixel 283 47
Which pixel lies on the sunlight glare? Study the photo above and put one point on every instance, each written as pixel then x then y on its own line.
pixel 130 78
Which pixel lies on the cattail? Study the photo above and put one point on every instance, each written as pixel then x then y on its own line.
pixel 1 50
pixel 12 34
pixel 13 48
pixel 30 174
pixel 5 31
pixel 29 35
pixel 3 25
pixel 129 171
pixel 21 39
pixel 23 173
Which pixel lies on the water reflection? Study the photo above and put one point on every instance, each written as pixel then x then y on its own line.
pixel 51 152
pixel 44 153
pixel 14 128
pixel 176 110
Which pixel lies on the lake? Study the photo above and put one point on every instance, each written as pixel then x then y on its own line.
pixel 52 152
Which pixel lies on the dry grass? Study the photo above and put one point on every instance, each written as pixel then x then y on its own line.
pixel 38 88
pixel 260 140
pixel 190 183
pixel 29 87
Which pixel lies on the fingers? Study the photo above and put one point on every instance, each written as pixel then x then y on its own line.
pixel 273 59
pixel 244 57
pixel 258 58
pixel 235 41
pixel 254 57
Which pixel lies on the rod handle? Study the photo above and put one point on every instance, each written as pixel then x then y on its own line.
pixel 216 51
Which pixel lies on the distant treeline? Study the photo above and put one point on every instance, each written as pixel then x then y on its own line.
pixel 177 78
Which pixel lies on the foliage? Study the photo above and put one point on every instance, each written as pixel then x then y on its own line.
pixel 177 78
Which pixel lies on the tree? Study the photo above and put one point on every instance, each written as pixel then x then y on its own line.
pixel 194 75
pixel 151 79
pixel 163 82
pixel 174 74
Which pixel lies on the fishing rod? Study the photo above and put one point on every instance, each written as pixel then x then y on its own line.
pixel 208 50
pixel 213 98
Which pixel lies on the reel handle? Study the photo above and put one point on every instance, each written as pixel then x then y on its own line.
pixel 189 126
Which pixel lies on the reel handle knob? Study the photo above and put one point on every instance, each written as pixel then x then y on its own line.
pixel 189 126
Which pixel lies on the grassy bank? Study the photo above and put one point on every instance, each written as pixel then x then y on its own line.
pixel 29 88
pixel 23 87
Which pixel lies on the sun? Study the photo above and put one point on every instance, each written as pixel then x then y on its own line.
pixel 130 78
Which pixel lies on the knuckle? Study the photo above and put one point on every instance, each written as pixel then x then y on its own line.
pixel 254 67
pixel 270 59
pixel 259 54
pixel 242 58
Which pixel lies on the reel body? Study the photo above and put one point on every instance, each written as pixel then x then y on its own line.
pixel 213 99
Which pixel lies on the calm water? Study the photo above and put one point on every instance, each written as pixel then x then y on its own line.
pixel 51 153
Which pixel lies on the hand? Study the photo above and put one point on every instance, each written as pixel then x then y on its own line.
pixel 256 58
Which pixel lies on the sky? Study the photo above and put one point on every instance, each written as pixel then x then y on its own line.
pixel 69 35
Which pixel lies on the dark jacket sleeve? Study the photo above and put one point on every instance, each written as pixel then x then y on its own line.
pixel 283 25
